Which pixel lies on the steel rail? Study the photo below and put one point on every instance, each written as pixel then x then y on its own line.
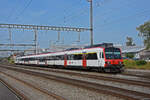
pixel 119 80
pixel 57 97
pixel 105 78
pixel 14 90
pixel 114 91
pixel 142 76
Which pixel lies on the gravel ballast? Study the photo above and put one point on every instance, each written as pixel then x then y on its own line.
pixel 67 91
pixel 31 93
pixel 109 83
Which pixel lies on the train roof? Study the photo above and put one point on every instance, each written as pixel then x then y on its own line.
pixel 103 45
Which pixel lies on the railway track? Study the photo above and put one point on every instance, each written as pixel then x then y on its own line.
pixel 23 97
pixel 118 92
pixel 137 75
pixel 127 74
pixel 15 91
pixel 105 78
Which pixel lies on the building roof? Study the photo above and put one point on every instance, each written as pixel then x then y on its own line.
pixel 131 49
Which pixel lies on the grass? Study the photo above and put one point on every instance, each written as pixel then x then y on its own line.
pixel 131 64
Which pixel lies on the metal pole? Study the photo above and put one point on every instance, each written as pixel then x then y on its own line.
pixel 58 36
pixel 78 37
pixel 91 20
pixel 35 41
pixel 10 36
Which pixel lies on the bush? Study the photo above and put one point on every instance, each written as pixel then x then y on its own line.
pixel 141 62
pixel 129 55
pixel 129 63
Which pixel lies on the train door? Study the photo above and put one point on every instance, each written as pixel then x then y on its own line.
pixel 92 59
pixel 101 58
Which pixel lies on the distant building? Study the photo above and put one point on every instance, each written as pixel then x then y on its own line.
pixel 138 51
pixel 145 54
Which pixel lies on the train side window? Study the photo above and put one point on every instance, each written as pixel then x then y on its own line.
pixel 35 58
pixel 50 58
pixel 46 58
pixel 41 59
pixel 77 57
pixel 102 55
pixel 70 57
pixel 56 57
pixel 62 57
pixel 91 56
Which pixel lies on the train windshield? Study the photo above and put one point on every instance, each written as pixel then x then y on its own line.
pixel 112 53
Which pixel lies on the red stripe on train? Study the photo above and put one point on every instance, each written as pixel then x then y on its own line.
pixel 65 60
pixel 84 63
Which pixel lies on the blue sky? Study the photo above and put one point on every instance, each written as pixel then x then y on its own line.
pixel 114 20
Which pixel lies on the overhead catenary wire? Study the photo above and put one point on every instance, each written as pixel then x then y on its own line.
pixel 112 10
pixel 101 2
pixel 10 14
pixel 28 4
pixel 73 17
pixel 105 26
pixel 69 13
pixel 124 18
pixel 71 6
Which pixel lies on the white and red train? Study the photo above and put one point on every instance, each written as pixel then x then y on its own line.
pixel 103 58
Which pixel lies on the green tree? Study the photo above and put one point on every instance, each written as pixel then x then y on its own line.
pixel 129 41
pixel 144 31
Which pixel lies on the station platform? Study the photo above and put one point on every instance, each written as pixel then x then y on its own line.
pixel 6 94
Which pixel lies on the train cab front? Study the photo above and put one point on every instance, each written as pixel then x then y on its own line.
pixel 113 60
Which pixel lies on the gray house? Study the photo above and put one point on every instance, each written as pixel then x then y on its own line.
pixel 145 54
pixel 138 51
